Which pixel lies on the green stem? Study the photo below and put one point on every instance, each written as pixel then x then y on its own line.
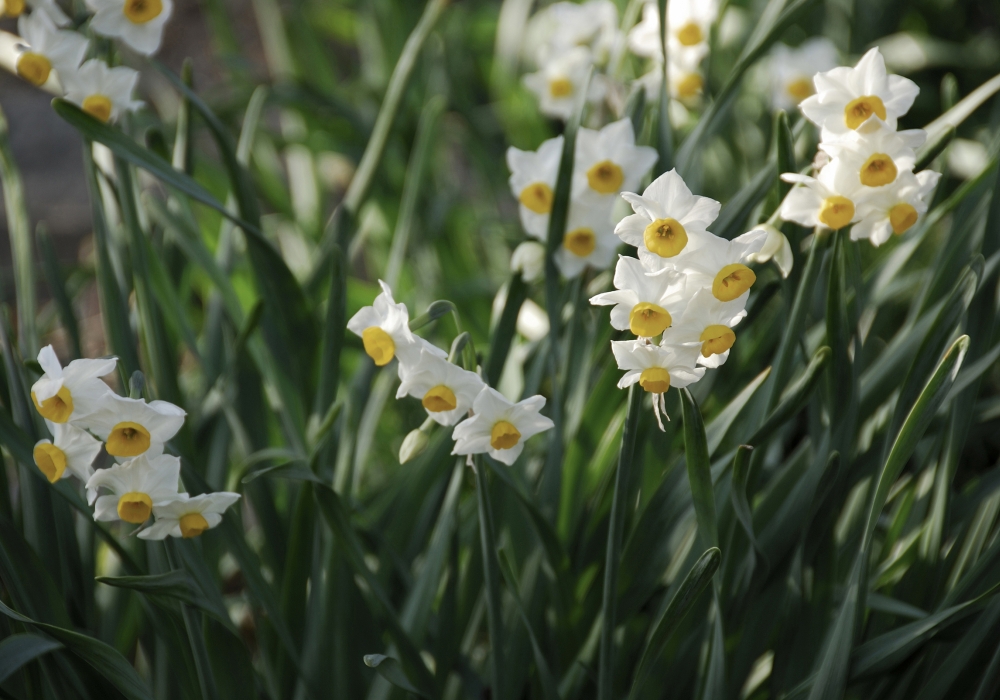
pixel 491 572
pixel 206 681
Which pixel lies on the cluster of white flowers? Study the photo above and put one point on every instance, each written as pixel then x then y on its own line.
pixel 790 70
pixel 865 165
pixel 77 406
pixel 492 424
pixel 688 288
pixel 47 54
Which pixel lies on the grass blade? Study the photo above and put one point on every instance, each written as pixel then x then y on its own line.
pixel 20 649
pixel 699 470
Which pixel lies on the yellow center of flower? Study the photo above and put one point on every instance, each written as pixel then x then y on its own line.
pixel 142 11
pixel 648 320
pixel 379 345
pixel 192 525
pixel 836 212
pixel 732 281
pixel 504 435
pixel 50 460
pixel 655 380
pixel 127 439
pixel 98 106
pixel 440 398
pixel 13 8
pixel 537 197
pixel 665 237
pixel 34 67
pixel 135 507
pixel 878 170
pixel 689 35
pixel 716 339
pixel 800 89
pixel 857 111
pixel 605 177
pixel 690 85
pixel 902 216
pixel 56 408
pixel 560 87
pixel 580 242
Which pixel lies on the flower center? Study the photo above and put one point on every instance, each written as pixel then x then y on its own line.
pixel 605 177
pixel 127 439
pixel 504 435
pixel 98 106
pixel 857 111
pixel 440 398
pixel 689 35
pixel 537 197
pixel 142 11
pixel 665 237
pixel 655 380
pixel 580 242
pixel 716 339
pixel 878 170
pixel 192 525
pixel 34 67
pixel 13 8
pixel 135 507
pixel 560 87
pixel 56 408
pixel 902 216
pixel 836 212
pixel 50 460
pixel 648 320
pixel 732 281
pixel 800 89
pixel 379 345
pixel 690 85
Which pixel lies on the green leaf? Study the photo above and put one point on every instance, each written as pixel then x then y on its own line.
pixel 57 289
pixel 503 334
pixel 436 310
pixel 176 584
pixel 491 575
pixel 390 669
pixel 718 427
pixel 699 470
pixel 738 494
pixel 18 650
pixel 794 398
pixel 959 113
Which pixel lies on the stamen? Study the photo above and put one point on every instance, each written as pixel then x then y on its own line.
pixel 648 320
pixel 580 242
pixel 504 435
pixel 56 408
pixel 665 237
pixel 732 281
pixel 537 197
pixel 379 345
pixel 902 217
pixel 836 212
pixel 560 87
pixel 142 11
pixel 439 398
pixel 878 170
pixel 127 439
pixel 605 177
pixel 857 111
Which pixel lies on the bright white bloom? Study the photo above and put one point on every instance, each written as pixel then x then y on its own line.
pixel 896 208
pixel 706 324
pixel 100 91
pixel 589 240
pixel 718 265
pixel 644 304
pixel 500 427
pixel 49 7
pixel 136 486
pixel 562 26
pixel 445 389
pixel 47 48
pixel 558 83
pixel 70 393
pixel 776 247
pixel 644 38
pixel 608 161
pixel 188 516
pixel 533 182
pixel 791 70
pixel 668 218
pixel 385 331
pixel 138 23
pixel 875 153
pixel 656 367
pixel 846 97
pixel 528 259
pixel 689 22
pixel 132 427
pixel 686 80
pixel 830 199
pixel 70 451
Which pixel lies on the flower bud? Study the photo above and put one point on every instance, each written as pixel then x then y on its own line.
pixel 413 444
pixel 775 246
pixel 529 260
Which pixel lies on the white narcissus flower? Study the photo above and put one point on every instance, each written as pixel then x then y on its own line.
pixel 875 153
pixel 138 23
pixel 445 390
pixel 792 69
pixel 136 486
pixel 643 303
pixel 528 259
pixel 132 427
pixel 589 240
pixel 719 265
pixel 500 427
pixel 689 21
pixel 558 83
pixel 776 247
pixel 47 48
pixel 656 367
pixel 49 7
pixel 73 392
pixel 100 91
pixel 385 331
pixel 562 26
pixel 608 161
pixel 896 208
pixel 830 199
pixel 707 325
pixel 188 516
pixel 70 451
pixel 533 182
pixel 668 218
pixel 846 97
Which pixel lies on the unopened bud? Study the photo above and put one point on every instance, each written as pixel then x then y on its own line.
pixel 413 444
pixel 529 260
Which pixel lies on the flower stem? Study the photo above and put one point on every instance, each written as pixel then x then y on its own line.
pixel 491 573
